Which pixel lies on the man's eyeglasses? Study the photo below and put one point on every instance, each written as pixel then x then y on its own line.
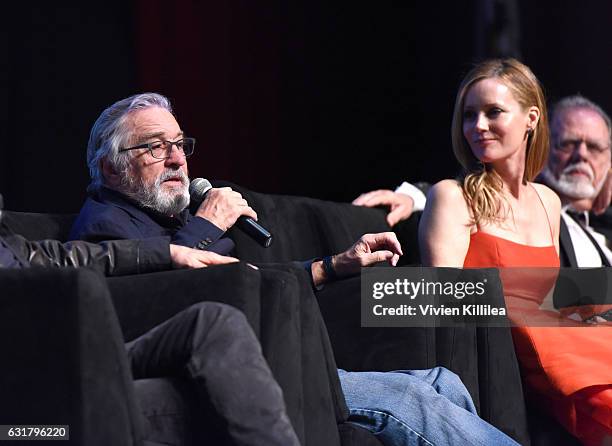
pixel 161 150
pixel 569 145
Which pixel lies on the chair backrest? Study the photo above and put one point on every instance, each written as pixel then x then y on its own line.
pixel 302 227
pixel 36 226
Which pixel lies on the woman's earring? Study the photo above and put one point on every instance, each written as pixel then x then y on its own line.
pixel 529 132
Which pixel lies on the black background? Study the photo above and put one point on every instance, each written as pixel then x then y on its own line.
pixel 299 97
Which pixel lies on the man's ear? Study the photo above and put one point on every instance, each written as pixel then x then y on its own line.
pixel 110 174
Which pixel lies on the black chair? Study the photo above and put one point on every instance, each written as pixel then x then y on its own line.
pixel 304 228
pixel 277 300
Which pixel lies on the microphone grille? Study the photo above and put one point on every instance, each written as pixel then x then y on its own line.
pixel 198 187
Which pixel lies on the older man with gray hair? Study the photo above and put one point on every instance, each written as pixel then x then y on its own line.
pixel 137 156
pixel 578 170
pixel 139 185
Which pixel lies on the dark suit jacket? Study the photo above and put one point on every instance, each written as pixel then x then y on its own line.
pixel 603 224
pixel 566 247
pixel 109 215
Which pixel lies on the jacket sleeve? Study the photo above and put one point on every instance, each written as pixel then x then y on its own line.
pixel 198 233
pixel 113 258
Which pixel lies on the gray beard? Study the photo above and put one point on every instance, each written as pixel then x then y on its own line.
pixel 153 196
pixel 569 187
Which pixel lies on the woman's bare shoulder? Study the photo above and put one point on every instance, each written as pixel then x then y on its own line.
pixel 444 229
pixel 446 189
pixel 447 192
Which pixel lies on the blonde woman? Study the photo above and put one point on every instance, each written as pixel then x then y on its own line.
pixel 495 216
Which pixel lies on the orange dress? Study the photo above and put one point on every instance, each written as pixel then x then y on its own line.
pixel 567 370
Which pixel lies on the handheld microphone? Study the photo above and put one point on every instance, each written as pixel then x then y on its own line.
pixel 198 189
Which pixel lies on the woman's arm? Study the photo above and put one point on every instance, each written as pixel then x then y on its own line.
pixel 444 229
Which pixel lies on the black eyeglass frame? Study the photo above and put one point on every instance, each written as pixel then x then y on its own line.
pixel 149 147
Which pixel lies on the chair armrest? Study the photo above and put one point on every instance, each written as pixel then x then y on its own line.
pixel 63 356
pixel 279 303
pixel 143 301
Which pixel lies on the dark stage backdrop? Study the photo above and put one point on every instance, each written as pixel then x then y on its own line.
pixel 62 66
pixel 297 97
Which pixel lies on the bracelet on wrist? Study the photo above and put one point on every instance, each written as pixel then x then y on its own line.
pixel 328 267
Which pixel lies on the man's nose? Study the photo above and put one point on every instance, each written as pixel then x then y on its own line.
pixel 176 157
pixel 580 150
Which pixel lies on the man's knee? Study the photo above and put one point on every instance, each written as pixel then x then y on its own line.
pixel 215 311
pixel 217 316
pixel 443 376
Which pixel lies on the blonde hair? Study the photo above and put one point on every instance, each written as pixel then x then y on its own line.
pixel 481 184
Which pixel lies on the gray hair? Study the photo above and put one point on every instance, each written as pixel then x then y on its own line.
pixel 109 134
pixel 578 101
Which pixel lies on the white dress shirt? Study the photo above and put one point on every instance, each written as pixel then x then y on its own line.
pixel 586 254
pixel 418 197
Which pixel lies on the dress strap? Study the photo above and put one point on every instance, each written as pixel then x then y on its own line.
pixel 552 238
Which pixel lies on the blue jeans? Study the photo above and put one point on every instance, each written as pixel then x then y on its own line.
pixel 417 407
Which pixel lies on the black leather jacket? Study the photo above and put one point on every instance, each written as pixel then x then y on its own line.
pixel 115 258
pixel 112 258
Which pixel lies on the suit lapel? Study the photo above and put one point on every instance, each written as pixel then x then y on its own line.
pixel 568 256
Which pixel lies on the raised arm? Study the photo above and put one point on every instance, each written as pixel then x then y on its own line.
pixel 445 227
